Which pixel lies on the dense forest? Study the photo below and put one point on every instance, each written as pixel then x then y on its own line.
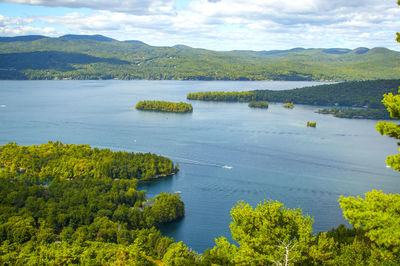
pixel 70 161
pixel 99 57
pixel 107 221
pixel 351 94
pixel 72 204
pixel 163 106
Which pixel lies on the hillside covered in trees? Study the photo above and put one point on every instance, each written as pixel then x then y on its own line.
pixel 71 204
pixel 100 57
pixel 365 94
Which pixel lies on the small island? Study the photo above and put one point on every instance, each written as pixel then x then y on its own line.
pixel 311 124
pixel 259 104
pixel 163 106
pixel 289 105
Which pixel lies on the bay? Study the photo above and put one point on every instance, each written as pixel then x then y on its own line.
pixel 227 152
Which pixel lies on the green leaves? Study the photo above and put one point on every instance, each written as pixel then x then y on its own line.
pixel 221 96
pixel 392 102
pixel 268 234
pixel 69 161
pixel 179 255
pixel 379 216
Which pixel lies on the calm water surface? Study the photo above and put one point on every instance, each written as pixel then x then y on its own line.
pixel 227 152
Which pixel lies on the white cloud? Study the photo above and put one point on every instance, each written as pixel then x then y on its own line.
pixel 129 6
pixel 225 24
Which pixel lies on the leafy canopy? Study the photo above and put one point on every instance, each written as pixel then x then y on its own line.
pixel 392 102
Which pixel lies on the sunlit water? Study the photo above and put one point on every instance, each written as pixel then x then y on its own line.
pixel 227 152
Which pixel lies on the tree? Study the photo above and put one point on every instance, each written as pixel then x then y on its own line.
pixel 378 216
pixel 392 102
pixel 179 255
pixel 270 233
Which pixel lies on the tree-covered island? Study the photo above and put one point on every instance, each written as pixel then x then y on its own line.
pixel 259 104
pixel 288 105
pixel 311 124
pixel 163 106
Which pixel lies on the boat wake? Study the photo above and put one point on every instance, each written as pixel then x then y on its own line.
pixel 181 160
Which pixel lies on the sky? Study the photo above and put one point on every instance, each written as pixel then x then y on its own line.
pixel 212 24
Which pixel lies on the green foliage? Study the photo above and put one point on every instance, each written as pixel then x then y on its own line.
pixel 360 94
pixel 289 105
pixel 69 161
pixel 311 124
pixel 179 255
pixel 164 208
pixel 83 219
pixel 222 254
pixel 93 58
pixel 273 234
pixel 80 209
pixel 221 96
pixel 270 233
pixel 162 106
pixel 259 104
pixel 62 253
pixel 392 102
pixel 378 215
pixel 356 113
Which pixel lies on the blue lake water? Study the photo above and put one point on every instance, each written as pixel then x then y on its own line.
pixel 227 152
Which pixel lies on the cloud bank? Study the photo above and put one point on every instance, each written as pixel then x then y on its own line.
pixel 221 24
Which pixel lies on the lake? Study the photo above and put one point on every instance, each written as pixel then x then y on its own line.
pixel 227 152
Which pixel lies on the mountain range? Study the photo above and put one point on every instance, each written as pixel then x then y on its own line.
pixel 101 57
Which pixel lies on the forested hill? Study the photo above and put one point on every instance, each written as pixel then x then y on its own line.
pixel 100 57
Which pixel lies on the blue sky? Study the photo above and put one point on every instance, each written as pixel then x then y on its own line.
pixel 212 24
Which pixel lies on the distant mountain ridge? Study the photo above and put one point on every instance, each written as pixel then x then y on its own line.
pixel 96 37
pixel 67 37
pixel 27 38
pixel 41 57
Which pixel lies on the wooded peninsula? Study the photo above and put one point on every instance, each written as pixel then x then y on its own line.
pixel 365 95
pixel 73 204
